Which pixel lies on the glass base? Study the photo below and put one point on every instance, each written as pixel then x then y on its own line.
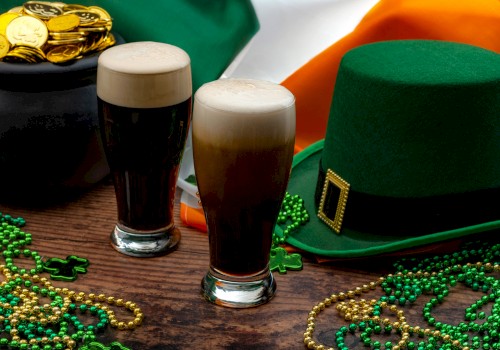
pixel 145 245
pixel 238 294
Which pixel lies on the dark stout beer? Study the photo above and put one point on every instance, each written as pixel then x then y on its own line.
pixel 242 201
pixel 144 149
pixel 144 100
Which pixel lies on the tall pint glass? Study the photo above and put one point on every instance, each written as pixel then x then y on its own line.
pixel 144 94
pixel 243 142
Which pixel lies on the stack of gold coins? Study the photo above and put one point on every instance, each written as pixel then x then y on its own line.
pixel 41 31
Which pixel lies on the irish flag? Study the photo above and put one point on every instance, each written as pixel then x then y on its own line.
pixel 299 44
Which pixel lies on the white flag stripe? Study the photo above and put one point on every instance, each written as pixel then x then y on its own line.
pixel 292 32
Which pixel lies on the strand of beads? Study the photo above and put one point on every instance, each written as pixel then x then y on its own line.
pixel 327 302
pixel 26 322
pixel 292 214
pixel 413 278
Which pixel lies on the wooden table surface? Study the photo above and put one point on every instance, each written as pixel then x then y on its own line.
pixel 167 288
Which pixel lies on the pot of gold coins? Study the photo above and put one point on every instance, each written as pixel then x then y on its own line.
pixel 49 132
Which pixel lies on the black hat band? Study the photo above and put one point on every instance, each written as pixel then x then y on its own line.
pixel 408 216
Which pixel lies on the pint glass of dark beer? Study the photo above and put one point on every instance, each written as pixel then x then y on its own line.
pixel 243 142
pixel 144 94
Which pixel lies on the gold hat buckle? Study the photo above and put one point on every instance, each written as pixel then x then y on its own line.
pixel 326 211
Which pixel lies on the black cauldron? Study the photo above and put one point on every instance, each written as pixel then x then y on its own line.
pixel 49 130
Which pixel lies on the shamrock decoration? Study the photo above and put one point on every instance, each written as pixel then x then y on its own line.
pixel 191 179
pixel 281 260
pixel 98 346
pixel 66 269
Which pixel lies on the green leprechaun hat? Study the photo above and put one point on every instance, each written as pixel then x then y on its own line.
pixel 411 154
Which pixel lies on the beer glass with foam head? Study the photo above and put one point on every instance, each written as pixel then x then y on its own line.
pixel 144 94
pixel 243 142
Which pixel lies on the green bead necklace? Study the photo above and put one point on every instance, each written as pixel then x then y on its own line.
pixel 292 215
pixel 27 323
pixel 476 267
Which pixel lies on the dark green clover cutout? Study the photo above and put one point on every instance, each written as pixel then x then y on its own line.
pixel 98 346
pixel 191 179
pixel 282 261
pixel 66 269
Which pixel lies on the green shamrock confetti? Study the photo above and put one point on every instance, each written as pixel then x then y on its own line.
pixel 66 269
pixel 191 179
pixel 99 346
pixel 282 261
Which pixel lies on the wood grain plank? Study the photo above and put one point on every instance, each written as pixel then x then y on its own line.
pixel 167 288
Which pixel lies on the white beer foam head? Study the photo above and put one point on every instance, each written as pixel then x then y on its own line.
pixel 244 109
pixel 144 75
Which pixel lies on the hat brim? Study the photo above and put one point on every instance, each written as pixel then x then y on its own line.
pixel 317 238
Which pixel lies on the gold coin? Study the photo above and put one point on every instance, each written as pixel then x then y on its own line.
pixel 31 54
pixel 5 19
pixel 41 9
pixel 58 4
pixel 93 42
pixel 67 35
pixel 24 54
pixel 111 40
pixel 72 7
pixel 93 29
pixel 63 23
pixel 88 44
pixel 66 41
pixel 63 53
pixel 38 53
pixel 87 18
pixel 27 30
pixel 102 12
pixel 12 57
pixel 104 15
pixel 108 42
pixel 4 46
pixel 17 9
